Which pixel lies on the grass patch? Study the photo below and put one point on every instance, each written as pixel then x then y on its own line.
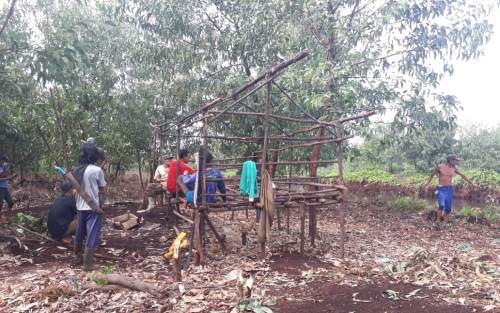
pixel 490 214
pixel 408 204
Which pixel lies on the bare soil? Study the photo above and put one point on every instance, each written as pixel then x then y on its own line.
pixel 455 269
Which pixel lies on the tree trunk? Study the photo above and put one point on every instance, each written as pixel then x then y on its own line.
pixel 313 172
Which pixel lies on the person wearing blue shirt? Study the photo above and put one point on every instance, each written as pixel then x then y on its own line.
pixel 4 188
pixel 214 182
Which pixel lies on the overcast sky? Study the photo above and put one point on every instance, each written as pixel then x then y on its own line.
pixel 476 83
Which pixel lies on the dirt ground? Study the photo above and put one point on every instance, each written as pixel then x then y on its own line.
pixel 394 263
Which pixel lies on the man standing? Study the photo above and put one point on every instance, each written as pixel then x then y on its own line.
pixel 89 222
pixel 4 188
pixel 61 220
pixel 183 167
pixel 446 172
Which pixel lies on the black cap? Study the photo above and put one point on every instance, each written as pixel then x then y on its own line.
pixel 66 186
pixel 452 157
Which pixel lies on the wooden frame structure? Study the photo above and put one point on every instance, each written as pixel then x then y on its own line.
pixel 315 194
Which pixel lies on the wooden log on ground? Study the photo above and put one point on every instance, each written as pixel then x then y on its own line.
pixel 190 221
pixel 60 243
pixel 125 281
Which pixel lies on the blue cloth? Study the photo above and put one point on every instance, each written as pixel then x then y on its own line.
pixel 89 225
pixel 445 198
pixel 214 182
pixel 3 183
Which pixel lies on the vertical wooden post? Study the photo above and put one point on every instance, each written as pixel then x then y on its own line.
pixel 264 153
pixel 340 158
pixel 313 172
pixel 289 190
pixel 176 268
pixel 197 238
pixel 203 187
pixel 177 170
pixel 302 226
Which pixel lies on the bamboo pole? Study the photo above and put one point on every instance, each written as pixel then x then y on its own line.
pixel 314 143
pixel 264 154
pixel 236 165
pixel 302 227
pixel 232 105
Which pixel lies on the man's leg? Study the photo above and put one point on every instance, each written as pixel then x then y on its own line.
pixel 3 216
pixel 94 224
pixel 69 232
pixel 81 231
pixel 448 205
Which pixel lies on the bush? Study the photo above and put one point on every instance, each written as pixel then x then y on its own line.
pixel 482 177
pixel 408 204
pixel 491 214
pixel 371 176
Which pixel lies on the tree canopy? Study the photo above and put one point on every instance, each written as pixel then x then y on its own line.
pixel 111 69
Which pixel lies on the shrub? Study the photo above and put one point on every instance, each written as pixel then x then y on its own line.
pixel 491 214
pixel 408 204
pixel 371 176
pixel 482 177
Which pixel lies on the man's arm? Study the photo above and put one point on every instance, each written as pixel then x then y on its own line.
pixel 157 177
pixel 434 173
pixel 464 177
pixel 187 168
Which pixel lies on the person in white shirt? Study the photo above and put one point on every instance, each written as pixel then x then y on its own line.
pixel 157 189
pixel 89 222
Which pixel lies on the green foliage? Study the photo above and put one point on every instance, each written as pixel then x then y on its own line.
pixel 29 221
pixel 482 177
pixel 110 267
pixel 370 176
pixel 479 147
pixel 112 69
pixel 491 213
pixel 408 204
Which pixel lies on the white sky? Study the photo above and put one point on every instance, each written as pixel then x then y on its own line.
pixel 476 83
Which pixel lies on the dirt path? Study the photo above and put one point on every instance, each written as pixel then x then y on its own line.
pixel 453 270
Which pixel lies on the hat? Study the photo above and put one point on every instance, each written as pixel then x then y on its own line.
pixel 452 157
pixel 66 186
pixel 166 157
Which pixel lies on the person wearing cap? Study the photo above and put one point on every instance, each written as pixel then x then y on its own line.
pixel 4 188
pixel 444 190
pixel 158 187
pixel 161 173
pixel 61 220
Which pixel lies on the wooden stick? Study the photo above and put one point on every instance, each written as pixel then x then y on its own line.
pixel 260 114
pixel 302 227
pixel 314 143
pixel 60 243
pixel 217 236
pixel 222 165
pixel 239 100
pixel 125 281
pixel 342 232
pixel 190 221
